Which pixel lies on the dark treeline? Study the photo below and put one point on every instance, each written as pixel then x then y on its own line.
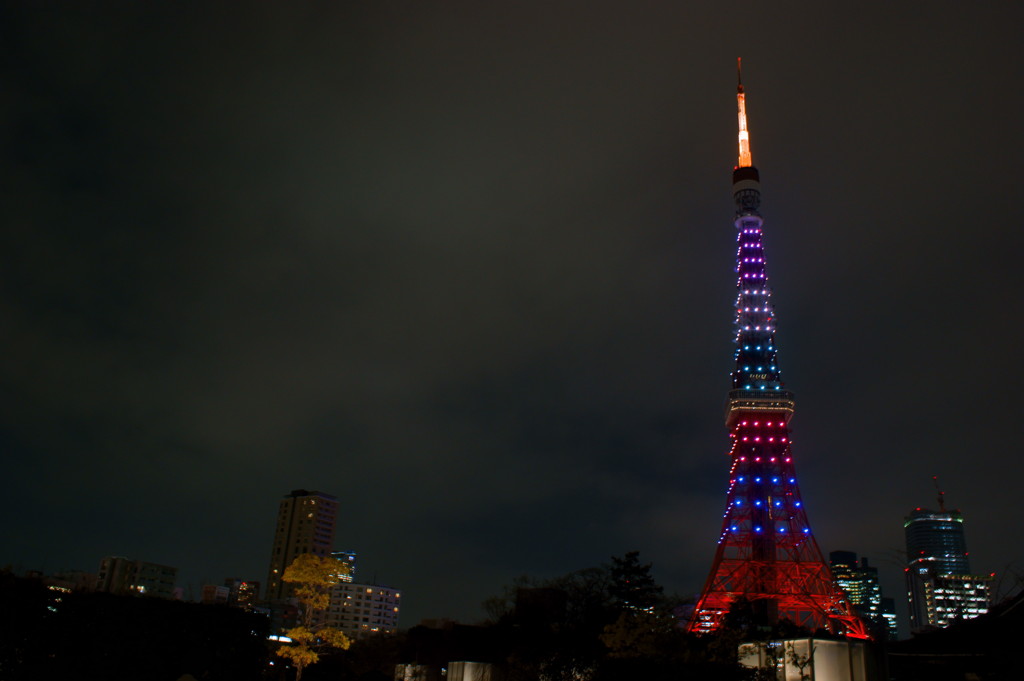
pixel 47 634
pixel 603 623
pixel 606 623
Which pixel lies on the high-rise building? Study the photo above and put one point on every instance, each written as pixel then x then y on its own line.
pixel 126 576
pixel 766 552
pixel 348 562
pixel 940 586
pixel 242 594
pixel 305 524
pixel 859 581
pixel 937 539
pixel 359 610
pixel 889 617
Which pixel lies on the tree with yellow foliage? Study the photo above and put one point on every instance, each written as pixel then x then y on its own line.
pixel 315 577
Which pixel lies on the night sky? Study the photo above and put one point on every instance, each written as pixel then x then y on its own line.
pixel 469 267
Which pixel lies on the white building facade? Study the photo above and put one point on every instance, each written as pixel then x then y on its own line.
pixel 360 610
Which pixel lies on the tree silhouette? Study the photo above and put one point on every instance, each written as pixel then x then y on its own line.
pixel 632 586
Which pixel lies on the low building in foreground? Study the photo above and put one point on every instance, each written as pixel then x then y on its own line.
pixel 812 659
pixel 985 648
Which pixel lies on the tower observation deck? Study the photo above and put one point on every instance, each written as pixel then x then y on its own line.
pixel 766 552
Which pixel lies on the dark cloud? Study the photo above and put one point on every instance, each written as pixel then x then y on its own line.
pixel 468 268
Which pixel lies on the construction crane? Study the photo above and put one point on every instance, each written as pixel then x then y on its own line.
pixel 942 495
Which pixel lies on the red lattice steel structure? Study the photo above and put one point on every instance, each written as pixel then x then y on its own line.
pixel 766 552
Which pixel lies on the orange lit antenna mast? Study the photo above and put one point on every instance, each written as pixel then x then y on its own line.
pixel 741 102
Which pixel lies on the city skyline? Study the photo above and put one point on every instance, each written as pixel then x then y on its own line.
pixel 470 271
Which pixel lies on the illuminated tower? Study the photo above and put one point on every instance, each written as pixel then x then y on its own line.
pixel 766 552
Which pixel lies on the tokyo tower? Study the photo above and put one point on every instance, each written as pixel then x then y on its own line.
pixel 766 552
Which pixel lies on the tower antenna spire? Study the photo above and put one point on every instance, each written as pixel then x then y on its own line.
pixel 741 103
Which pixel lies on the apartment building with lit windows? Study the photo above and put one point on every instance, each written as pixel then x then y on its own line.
pixel 362 610
pixel 305 524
